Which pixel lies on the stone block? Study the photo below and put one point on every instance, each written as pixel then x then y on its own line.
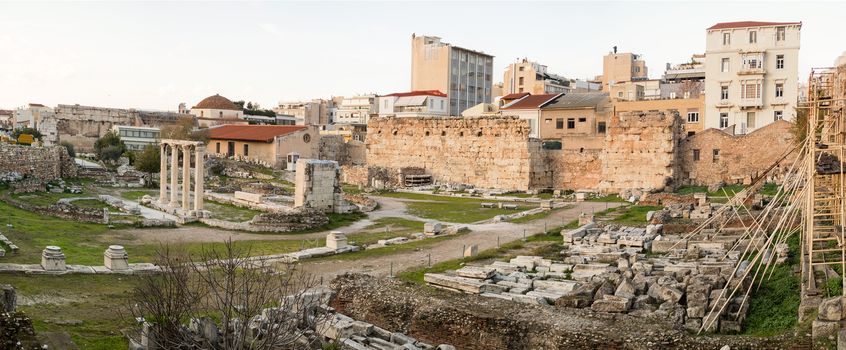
pixel 611 303
pixel 52 259
pixel 557 286
pixel 249 197
pixel 336 240
pixel 824 329
pixel 115 258
pixel 831 309
pixel 432 228
pixel 476 272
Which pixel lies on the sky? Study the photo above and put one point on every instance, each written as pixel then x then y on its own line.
pixel 154 55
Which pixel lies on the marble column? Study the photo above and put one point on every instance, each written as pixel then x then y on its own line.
pixel 186 176
pixel 174 174
pixel 163 173
pixel 199 178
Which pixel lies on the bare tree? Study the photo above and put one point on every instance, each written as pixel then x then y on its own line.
pixel 259 304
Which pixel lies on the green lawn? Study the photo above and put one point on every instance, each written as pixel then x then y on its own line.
pixel 453 209
pixel 96 300
pixel 773 307
pixel 391 249
pixel 607 198
pixel 396 223
pixel 137 194
pixel 229 212
pixel 538 216
pixel 91 203
pixel 544 195
pixel 43 199
pixel 634 215
pixel 730 190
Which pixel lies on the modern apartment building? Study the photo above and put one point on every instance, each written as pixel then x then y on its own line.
pixel 579 120
pixel 314 112
pixel 465 75
pixel 356 109
pixel 529 107
pixel 428 103
pixel 751 72
pixel 30 116
pixel 136 138
pixel 621 67
pixel 532 77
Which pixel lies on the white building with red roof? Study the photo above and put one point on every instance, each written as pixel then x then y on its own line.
pixel 421 103
pixel 751 74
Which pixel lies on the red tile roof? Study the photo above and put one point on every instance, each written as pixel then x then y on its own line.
pixel 532 101
pixel 515 96
pixel 36 105
pixel 256 133
pixel 745 24
pixel 419 93
pixel 217 102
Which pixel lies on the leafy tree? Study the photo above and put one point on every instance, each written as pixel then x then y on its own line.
pixel 109 147
pixel 800 126
pixel 69 146
pixel 149 160
pixel 184 129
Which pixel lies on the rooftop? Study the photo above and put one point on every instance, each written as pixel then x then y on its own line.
pixel 532 101
pixel 255 133
pixel 419 93
pixel 216 102
pixel 516 95
pixel 746 24
pixel 579 100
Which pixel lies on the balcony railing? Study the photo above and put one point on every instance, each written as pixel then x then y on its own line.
pixel 750 102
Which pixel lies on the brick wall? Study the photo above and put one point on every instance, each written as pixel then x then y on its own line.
pixel 45 163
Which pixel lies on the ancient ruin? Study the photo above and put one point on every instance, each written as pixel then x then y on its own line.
pixel 189 150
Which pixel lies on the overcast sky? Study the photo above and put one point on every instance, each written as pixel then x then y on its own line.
pixel 156 55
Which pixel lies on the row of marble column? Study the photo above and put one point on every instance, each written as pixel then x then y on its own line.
pixel 173 150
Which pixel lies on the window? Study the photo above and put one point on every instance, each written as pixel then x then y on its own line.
pixel 246 150
pixel 521 89
pixel 779 61
pixel 571 123
pixel 716 157
pixel 753 37
pixel 696 155
pixel 724 120
pixel 751 89
pixel 201 113
pixel 521 69
pixel 750 119
pixel 724 65
pixel 780 33
pixel 726 38
pixel 559 123
pixel 582 120
pixel 778 115
pixel 620 94
pixel 779 90
pixel 724 92
pixel 692 117
pixel 520 81
pixel 600 127
pixel 217 148
pixel 221 114
pixel 442 104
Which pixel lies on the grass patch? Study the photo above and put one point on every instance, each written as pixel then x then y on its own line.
pixel 229 212
pixel 44 199
pixel 392 249
pixel 90 203
pixel 351 189
pixel 453 209
pixel 632 215
pixel 692 189
pixel 538 216
pixel 394 222
pixel 136 195
pixel 544 195
pixel 770 189
pixel 337 220
pixel 773 307
pixel 607 198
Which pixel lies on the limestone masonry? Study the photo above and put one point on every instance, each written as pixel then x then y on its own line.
pixel 44 163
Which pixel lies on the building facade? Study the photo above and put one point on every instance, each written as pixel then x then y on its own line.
pixel 622 67
pixel 30 116
pixel 691 110
pixel 465 75
pixel 136 138
pixel 217 110
pixel 579 120
pixel 430 103
pixel 529 107
pixel 314 112
pixel 751 72
pixel 532 77
pixel 356 110
pixel 269 145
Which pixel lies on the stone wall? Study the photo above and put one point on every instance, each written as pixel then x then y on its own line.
pixel 83 125
pixel 574 169
pixel 640 152
pixel 317 185
pixel 492 152
pixel 44 163
pixel 333 147
pixel 740 158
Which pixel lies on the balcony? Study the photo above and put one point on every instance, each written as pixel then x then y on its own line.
pixel 750 102
pixel 752 64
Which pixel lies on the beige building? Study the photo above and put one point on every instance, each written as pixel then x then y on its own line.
pixel 532 77
pixel 465 75
pixel 579 120
pixel 621 67
pixel 30 116
pixel 751 72
pixel 217 110
pixel 691 110
pixel 356 110
pixel 429 103
pixel 529 107
pixel 270 145
pixel 314 112
pixel 481 110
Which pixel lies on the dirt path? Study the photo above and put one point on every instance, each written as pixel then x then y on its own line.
pixel 485 236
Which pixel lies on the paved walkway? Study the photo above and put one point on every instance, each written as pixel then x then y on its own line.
pixel 147 212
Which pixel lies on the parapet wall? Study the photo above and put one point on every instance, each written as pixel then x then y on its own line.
pixel 44 163
pixel 714 156
pixel 491 152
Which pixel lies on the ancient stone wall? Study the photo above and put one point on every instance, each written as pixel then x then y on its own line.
pixel 571 169
pixel 44 163
pixel 714 156
pixel 83 125
pixel 640 152
pixel 492 152
pixel 333 147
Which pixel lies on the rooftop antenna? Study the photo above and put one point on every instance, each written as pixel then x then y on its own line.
pixel 615 49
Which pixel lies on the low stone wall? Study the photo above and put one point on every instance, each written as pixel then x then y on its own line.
pixel 45 163
pixel 280 222
pixel 62 210
pixel 364 203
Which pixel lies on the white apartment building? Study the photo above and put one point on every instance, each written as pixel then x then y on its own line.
pixel 751 73
pixel 136 138
pixel 356 109
pixel 30 116
pixel 426 103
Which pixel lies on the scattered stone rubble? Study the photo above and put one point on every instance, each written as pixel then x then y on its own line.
pixel 7 243
pixel 336 243
pixel 318 326
pixel 605 269
pixel 430 229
